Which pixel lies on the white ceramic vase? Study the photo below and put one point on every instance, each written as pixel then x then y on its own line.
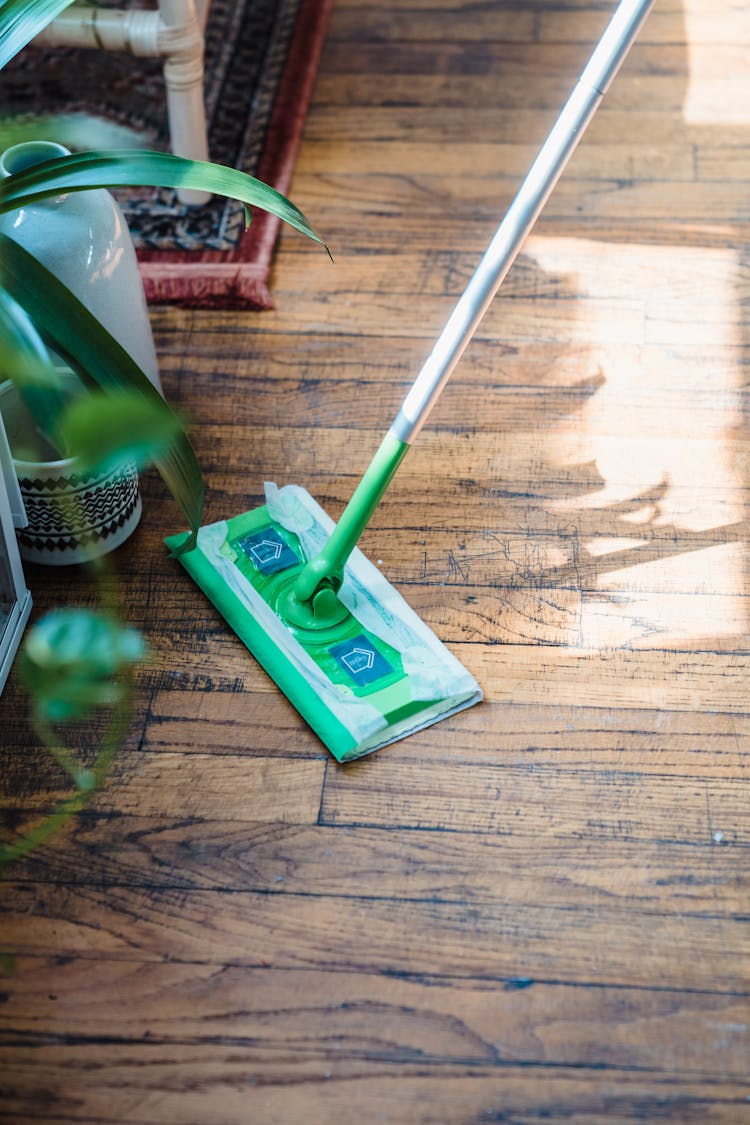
pixel 82 238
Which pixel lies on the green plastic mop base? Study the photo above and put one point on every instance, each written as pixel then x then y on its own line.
pixel 371 679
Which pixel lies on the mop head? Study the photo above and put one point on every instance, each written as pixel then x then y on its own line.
pixel 375 677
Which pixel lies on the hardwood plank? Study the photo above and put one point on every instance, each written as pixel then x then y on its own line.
pixel 654 286
pixel 709 743
pixel 367 406
pixel 337 1015
pixel 611 161
pixel 142 1087
pixel 441 277
pixel 482 398
pixel 503 798
pixel 709 679
pixel 726 163
pixel 348 111
pixel 615 678
pixel 427 865
pixel 469 208
pixel 723 29
pixel 239 787
pixel 556 268
pixel 397 23
pixel 382 231
pixel 681 674
pixel 524 464
pixel 704 950
pixel 449 76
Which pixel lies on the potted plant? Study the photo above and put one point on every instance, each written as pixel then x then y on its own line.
pixel 75 662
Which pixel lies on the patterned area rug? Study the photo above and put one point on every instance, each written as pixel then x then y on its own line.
pixel 261 61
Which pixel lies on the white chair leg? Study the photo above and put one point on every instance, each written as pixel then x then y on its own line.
pixel 107 29
pixel 174 33
pixel 201 8
pixel 182 43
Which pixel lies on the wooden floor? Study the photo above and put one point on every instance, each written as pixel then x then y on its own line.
pixel 536 910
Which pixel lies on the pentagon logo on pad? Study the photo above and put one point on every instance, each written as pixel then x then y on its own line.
pixel 267 551
pixel 361 660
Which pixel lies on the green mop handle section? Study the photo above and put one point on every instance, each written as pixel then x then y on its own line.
pixel 330 562
pixel 555 153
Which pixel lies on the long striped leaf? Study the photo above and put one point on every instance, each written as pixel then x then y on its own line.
pixel 24 359
pixel 135 167
pixel 21 20
pixel 21 342
pixel 99 360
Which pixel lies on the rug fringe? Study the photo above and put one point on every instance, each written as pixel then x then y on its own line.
pixel 207 285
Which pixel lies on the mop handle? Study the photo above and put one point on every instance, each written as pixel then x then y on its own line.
pixel 523 213
pixel 328 565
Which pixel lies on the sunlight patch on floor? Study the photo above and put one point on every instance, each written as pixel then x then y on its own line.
pixel 668 522
pixel 718 39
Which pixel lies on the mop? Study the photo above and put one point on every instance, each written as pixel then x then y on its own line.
pixel 342 644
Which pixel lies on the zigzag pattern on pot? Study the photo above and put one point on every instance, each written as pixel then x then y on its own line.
pixel 77 480
pixel 74 512
pixel 68 542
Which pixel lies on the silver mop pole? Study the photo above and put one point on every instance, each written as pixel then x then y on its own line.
pixel 520 218
pixel 327 567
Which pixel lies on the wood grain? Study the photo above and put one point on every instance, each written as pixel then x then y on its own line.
pixel 380 935
pixel 537 909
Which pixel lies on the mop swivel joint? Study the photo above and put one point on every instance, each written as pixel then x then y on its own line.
pixel 322 611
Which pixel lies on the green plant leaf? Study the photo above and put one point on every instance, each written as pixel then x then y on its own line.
pixel 71 659
pixel 25 360
pixel 117 426
pixel 21 20
pixel 100 362
pixel 76 130
pixel 134 167
pixel 22 345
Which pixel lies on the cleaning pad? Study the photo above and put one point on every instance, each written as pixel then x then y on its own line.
pixel 377 676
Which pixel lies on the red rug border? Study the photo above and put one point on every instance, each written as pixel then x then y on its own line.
pixel 239 278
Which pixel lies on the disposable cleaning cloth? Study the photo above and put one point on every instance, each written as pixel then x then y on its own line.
pixel 382 676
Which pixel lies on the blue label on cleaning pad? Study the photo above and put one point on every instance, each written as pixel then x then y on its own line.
pixel 267 551
pixel 361 660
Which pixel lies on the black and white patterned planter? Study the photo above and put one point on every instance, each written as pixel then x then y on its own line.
pixel 74 516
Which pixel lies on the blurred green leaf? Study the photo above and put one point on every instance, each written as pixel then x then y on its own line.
pixel 23 351
pixel 134 167
pixel 24 359
pixel 99 360
pixel 21 20
pixel 101 429
pixel 71 659
pixel 77 130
